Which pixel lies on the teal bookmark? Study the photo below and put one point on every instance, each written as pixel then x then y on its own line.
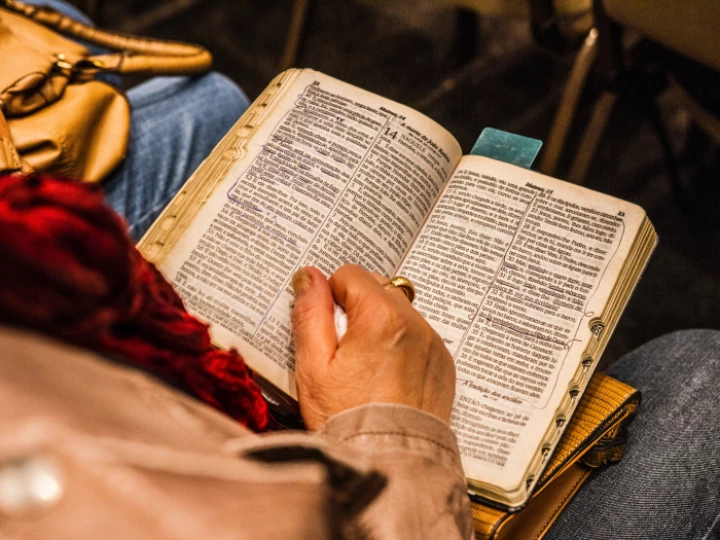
pixel 507 147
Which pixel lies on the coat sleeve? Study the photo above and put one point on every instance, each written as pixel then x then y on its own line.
pixel 426 493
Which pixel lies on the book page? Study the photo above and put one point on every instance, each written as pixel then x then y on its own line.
pixel 332 175
pixel 511 268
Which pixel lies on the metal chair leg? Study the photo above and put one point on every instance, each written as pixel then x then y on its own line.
pixel 298 17
pixel 591 138
pixel 568 104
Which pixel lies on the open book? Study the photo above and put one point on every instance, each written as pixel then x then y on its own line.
pixel 522 275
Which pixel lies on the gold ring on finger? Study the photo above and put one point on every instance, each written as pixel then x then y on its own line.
pixel 404 284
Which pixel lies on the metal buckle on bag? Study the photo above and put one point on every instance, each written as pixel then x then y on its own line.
pixel 86 65
pixel 62 63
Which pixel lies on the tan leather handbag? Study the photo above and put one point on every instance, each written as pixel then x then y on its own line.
pixel 63 120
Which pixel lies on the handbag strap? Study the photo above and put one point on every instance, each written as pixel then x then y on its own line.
pixel 134 54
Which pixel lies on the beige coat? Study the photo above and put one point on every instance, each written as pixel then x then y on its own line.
pixel 92 449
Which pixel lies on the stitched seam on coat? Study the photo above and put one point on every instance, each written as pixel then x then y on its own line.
pixel 559 506
pixel 401 434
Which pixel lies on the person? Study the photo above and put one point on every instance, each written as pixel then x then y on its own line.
pixel 92 447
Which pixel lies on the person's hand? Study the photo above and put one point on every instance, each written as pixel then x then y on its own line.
pixel 389 354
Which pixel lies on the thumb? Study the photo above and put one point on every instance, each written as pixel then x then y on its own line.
pixel 313 322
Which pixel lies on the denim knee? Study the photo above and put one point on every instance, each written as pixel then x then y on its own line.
pixel 699 339
pixel 666 486
pixel 679 376
pixel 220 96
pixel 675 355
pixel 176 122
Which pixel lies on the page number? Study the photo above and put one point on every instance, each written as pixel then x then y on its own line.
pixel 392 135
pixel 621 214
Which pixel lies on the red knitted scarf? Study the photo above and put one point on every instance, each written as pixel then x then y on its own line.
pixel 69 269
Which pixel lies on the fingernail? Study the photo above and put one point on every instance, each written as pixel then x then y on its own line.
pixel 301 281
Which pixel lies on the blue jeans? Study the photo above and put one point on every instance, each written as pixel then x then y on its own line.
pixel 666 486
pixel 175 123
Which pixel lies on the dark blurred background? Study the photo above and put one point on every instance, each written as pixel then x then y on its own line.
pixel 470 64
